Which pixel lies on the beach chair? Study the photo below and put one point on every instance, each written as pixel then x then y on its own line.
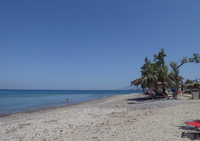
pixel 149 93
pixel 192 135
pixel 169 94
pixel 193 124
pixel 180 93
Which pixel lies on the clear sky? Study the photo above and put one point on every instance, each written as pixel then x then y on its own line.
pixel 92 44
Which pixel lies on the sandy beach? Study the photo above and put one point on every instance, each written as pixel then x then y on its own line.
pixel 116 118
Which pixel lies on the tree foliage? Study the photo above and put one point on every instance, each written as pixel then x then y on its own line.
pixel 157 71
pixel 195 58
pixel 176 67
pixel 153 72
pixel 188 81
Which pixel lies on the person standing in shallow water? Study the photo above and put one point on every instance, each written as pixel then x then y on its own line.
pixel 67 99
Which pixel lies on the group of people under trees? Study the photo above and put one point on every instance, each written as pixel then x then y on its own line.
pixel 152 93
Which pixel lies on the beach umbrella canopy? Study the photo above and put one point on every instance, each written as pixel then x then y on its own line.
pixel 143 81
pixel 197 85
pixel 159 83
pixel 189 86
pixel 194 85
pixel 139 81
pixel 162 83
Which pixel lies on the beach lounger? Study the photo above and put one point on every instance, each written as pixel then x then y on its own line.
pixel 149 94
pixel 192 135
pixel 193 124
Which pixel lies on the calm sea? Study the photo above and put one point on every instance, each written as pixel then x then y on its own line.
pixel 14 101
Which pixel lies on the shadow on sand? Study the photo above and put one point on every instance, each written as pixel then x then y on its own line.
pixel 142 100
pixel 139 99
pixel 192 133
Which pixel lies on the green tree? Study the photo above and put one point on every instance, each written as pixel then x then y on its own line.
pixel 195 58
pixel 148 73
pixel 188 81
pixel 152 73
pixel 160 66
pixel 157 71
pixel 147 77
pixel 176 67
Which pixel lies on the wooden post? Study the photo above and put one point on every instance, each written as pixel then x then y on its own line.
pixel 199 91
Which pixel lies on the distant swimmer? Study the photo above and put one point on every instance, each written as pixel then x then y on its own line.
pixel 67 99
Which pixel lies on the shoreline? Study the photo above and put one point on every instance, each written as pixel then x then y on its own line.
pixel 58 107
pixel 119 117
pixel 13 105
pixel 68 106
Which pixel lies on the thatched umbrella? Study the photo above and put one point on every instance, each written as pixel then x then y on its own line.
pixel 194 89
pixel 194 85
pixel 159 84
pixel 189 86
pixel 162 83
pixel 139 81
pixel 197 85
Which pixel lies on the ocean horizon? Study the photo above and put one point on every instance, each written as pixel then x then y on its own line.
pixel 21 100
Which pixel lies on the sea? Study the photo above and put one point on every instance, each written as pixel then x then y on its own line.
pixel 15 101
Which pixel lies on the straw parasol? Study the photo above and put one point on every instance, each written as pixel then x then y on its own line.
pixel 160 84
pixel 194 85
pixel 139 81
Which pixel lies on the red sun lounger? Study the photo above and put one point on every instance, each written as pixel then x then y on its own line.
pixel 193 124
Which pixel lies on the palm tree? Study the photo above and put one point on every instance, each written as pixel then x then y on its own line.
pixel 152 73
pixel 175 74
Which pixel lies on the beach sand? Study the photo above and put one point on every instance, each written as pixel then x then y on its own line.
pixel 116 118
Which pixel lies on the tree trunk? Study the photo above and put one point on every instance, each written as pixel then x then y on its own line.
pixel 156 88
pixel 199 92
pixel 176 90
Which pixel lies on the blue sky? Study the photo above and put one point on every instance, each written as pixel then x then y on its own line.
pixel 92 44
